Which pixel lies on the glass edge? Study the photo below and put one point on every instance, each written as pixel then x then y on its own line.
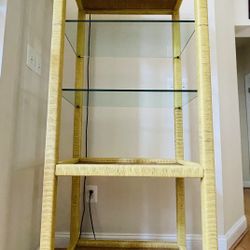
pixel 129 21
pixel 131 90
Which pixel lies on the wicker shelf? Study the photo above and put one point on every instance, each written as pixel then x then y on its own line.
pixel 122 38
pixel 129 168
pixel 111 6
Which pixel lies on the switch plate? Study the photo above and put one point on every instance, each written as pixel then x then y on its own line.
pixel 34 60
pixel 38 64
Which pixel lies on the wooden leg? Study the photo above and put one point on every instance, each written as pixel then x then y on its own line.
pixel 53 127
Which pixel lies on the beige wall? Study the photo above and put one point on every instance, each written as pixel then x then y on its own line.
pixel 23 96
pixel 243 65
pixel 241 17
pixel 228 107
pixel 241 12
pixel 3 9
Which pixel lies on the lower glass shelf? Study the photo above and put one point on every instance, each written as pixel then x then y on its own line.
pixel 147 98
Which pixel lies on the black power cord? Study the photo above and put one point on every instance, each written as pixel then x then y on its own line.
pixel 86 136
pixel 90 213
pixel 88 87
pixel 83 205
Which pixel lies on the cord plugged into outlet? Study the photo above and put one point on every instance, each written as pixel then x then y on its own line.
pixel 91 194
pixel 92 197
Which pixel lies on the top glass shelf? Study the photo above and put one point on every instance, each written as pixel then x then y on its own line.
pixel 129 38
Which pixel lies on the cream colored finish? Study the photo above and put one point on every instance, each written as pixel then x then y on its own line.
pixel 53 125
pixel 208 195
pixel 179 144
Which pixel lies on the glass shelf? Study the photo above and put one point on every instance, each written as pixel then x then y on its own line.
pixel 130 38
pixel 145 98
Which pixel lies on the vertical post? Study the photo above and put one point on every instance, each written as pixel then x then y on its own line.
pixel 77 139
pixel 53 127
pixel 178 122
pixel 208 193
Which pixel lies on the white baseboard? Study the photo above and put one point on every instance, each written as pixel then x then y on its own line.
pixel 234 233
pixel 246 184
pixel 194 241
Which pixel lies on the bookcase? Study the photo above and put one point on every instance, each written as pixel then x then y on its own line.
pixel 79 165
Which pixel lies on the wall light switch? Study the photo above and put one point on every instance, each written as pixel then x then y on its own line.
pixel 33 60
pixel 30 58
pixel 38 64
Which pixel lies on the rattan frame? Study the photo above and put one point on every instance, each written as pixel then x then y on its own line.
pixel 53 126
pixel 179 144
pixel 179 169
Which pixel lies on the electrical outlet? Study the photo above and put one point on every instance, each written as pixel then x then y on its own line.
pixel 94 195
